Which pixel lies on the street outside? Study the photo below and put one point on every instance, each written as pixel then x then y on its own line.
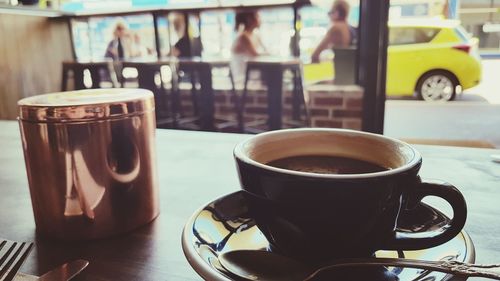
pixel 473 115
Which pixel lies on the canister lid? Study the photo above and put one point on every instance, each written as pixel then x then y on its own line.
pixel 86 105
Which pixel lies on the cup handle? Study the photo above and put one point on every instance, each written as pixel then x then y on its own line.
pixel 428 239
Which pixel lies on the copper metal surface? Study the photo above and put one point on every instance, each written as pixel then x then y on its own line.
pixel 90 161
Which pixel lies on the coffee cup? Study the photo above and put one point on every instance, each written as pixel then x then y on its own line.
pixel 320 194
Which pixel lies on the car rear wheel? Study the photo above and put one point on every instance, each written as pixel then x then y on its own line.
pixel 437 86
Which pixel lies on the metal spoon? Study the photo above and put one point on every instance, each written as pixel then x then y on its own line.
pixel 263 265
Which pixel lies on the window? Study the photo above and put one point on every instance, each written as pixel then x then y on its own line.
pixel 411 35
pixel 462 34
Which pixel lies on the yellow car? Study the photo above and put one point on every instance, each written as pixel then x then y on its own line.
pixel 436 59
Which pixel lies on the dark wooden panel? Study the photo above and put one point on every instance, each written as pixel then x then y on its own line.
pixel 31 52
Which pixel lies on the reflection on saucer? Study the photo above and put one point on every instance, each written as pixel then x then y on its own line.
pixel 225 225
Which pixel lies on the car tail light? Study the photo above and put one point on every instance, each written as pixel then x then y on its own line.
pixel 464 48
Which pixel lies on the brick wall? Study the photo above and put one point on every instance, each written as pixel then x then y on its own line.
pixel 335 106
pixel 329 105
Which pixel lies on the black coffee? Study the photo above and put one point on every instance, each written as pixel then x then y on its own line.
pixel 321 164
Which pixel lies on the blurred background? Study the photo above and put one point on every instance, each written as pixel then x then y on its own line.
pixel 462 33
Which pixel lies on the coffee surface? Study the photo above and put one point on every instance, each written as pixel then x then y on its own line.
pixel 322 164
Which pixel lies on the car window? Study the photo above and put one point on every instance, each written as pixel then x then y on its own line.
pixel 462 34
pixel 411 35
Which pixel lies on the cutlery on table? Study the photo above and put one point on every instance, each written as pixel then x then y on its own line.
pixel 63 272
pixel 263 265
pixel 12 257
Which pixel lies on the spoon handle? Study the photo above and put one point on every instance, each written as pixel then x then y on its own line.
pixel 457 268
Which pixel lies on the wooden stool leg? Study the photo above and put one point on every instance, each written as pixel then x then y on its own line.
pixel 113 74
pixel 78 78
pixel 174 95
pixel 180 110
pixel 64 81
pixel 296 93
pixel 163 94
pixel 302 94
pixel 241 102
pixel 207 109
pixel 239 118
pixel 274 81
pixel 146 80
pixel 194 92
pixel 95 76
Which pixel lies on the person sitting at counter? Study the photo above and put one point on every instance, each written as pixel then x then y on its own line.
pixel 138 49
pixel 247 43
pixel 120 46
pixel 340 34
pixel 126 43
pixel 185 47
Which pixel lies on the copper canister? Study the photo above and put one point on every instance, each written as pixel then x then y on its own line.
pixel 90 160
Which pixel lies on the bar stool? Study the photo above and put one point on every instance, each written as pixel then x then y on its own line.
pixel 200 70
pixel 272 70
pixel 97 69
pixel 345 65
pixel 147 72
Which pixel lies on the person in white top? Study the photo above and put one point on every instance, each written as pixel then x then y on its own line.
pixel 247 43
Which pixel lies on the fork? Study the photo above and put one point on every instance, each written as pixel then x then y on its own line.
pixel 12 258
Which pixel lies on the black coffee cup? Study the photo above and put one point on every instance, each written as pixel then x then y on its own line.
pixel 316 216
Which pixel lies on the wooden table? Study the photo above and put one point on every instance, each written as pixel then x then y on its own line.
pixel 272 70
pixel 166 104
pixel 200 69
pixel 194 168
